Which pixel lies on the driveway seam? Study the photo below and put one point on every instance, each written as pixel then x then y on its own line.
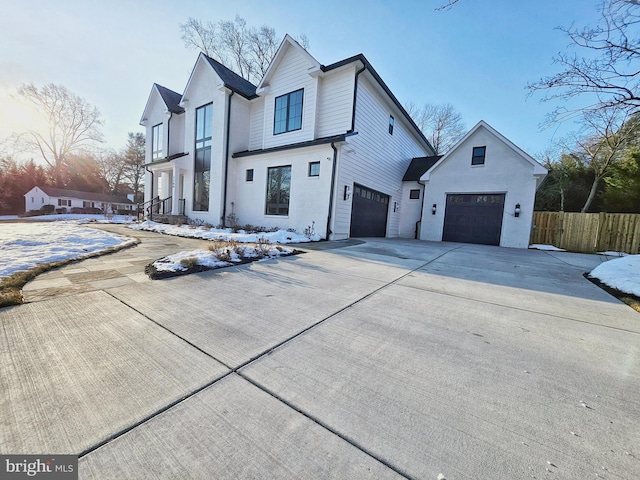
pixel 257 385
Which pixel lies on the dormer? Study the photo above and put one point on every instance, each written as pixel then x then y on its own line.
pixel 161 106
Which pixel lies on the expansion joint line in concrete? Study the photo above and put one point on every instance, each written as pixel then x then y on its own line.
pixel 268 351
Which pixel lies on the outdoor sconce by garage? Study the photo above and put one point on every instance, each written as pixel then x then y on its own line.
pixel 517 210
pixel 347 189
pixel 433 209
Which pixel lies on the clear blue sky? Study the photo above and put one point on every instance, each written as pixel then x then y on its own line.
pixel 478 56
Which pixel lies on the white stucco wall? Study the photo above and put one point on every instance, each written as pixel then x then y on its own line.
pixel 309 196
pixel 411 210
pixel 504 171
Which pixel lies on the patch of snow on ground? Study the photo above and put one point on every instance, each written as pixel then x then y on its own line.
pixel 179 262
pixel 79 217
pixel 620 273
pixel 613 254
pixel 281 236
pixel 25 245
pixel 548 248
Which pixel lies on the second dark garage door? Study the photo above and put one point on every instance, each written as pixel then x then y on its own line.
pixel 368 212
pixel 475 218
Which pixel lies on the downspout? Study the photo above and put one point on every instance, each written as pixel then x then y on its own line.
pixel 333 188
pixel 335 150
pixel 146 167
pixel 424 190
pixel 355 96
pixel 226 162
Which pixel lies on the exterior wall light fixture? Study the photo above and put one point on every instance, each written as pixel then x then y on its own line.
pixel 517 210
pixel 433 209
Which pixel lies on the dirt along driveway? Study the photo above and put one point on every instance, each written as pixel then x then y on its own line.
pixel 387 359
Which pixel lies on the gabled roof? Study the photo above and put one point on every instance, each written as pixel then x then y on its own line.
pixel 418 166
pixel 232 80
pixel 170 98
pixel 538 170
pixel 89 196
pixel 287 42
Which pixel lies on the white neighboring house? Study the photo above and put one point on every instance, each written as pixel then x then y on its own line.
pixel 72 201
pixel 481 191
pixel 311 146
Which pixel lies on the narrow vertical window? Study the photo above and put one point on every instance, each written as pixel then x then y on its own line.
pixel 391 122
pixel 202 171
pixel 288 112
pixel 156 142
pixel 278 190
pixel 249 175
pixel 478 155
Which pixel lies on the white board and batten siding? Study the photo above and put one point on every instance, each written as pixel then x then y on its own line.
pixel 374 158
pixel 291 75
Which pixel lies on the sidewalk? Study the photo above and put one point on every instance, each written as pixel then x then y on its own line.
pixel 107 271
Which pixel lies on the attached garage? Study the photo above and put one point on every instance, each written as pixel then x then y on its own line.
pixel 368 212
pixel 473 218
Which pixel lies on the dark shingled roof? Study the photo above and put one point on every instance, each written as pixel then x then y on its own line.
pixel 89 196
pixel 170 98
pixel 232 80
pixel 418 166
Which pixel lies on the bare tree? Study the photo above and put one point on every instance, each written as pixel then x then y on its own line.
pixel 441 124
pixel 246 50
pixel 609 68
pixel 447 5
pixel 71 125
pixel 605 134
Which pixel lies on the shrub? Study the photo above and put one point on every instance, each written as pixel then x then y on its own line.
pixel 263 247
pixel 189 262
pixel 47 209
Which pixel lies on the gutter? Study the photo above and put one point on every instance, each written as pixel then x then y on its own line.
pixel 226 162
pixel 333 188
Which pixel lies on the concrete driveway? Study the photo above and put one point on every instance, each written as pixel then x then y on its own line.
pixel 387 359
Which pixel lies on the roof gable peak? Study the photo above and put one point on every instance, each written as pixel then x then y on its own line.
pixel 287 42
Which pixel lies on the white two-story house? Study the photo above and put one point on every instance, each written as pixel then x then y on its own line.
pixel 327 148
pixel 309 146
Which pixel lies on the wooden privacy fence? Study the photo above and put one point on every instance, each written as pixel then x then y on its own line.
pixel 588 232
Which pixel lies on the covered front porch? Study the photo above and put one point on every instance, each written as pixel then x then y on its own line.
pixel 165 194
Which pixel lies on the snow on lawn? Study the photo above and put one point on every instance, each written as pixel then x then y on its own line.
pixel 182 261
pixel 79 217
pixel 25 245
pixel 281 236
pixel 620 273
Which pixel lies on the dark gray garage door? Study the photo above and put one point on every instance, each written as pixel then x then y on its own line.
pixel 473 218
pixel 368 212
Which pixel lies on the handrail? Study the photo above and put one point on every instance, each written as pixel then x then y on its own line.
pixel 155 205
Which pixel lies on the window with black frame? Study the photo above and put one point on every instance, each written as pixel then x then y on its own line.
pixel 202 170
pixel 278 190
pixel 288 112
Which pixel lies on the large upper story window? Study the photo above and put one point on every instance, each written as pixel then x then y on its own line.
pixel 156 142
pixel 288 114
pixel 278 190
pixel 202 170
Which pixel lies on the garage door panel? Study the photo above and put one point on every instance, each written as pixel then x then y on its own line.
pixel 473 218
pixel 369 210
